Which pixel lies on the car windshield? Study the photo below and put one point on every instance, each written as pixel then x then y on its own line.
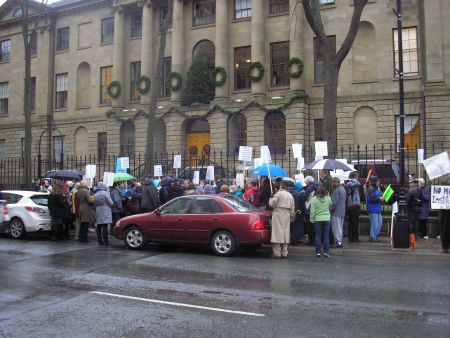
pixel 238 204
pixel 40 200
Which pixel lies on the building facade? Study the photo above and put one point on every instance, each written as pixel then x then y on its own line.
pixel 81 46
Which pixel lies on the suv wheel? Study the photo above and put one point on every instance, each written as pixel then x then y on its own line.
pixel 16 228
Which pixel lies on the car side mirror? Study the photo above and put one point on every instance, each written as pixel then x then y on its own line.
pixel 157 212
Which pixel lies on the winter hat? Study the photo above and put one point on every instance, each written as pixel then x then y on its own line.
pixel 298 186
pixel 102 186
pixel 207 189
pixel 373 179
pixel 421 181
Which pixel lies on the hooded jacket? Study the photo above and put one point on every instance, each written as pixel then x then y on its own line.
pixel 320 209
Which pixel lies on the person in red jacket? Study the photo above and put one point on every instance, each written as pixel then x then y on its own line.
pixel 252 194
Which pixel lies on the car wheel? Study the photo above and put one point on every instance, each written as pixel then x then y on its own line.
pixel 16 228
pixel 223 243
pixel 134 238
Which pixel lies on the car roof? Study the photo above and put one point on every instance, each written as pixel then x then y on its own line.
pixel 24 193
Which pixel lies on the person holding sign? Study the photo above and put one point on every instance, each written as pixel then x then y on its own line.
pixel 425 210
pixel 414 206
pixel 374 199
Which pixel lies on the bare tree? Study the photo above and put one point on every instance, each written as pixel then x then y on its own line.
pixel 156 80
pixel 332 62
pixel 29 29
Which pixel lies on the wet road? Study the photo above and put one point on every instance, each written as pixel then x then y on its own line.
pixel 70 289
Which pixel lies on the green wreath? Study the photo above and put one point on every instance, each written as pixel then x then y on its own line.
pixel 290 63
pixel 222 78
pixel 144 84
pixel 258 65
pixel 179 81
pixel 114 89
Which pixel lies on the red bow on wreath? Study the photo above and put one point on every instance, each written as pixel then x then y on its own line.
pixel 206 149
pixel 193 150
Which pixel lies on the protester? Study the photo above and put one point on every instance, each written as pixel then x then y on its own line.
pixel 299 223
pixel 283 211
pixel 265 193
pixel 219 183
pixel 150 200
pixel 75 205
pixel 85 212
pixel 353 206
pixel 58 207
pixel 252 193
pixel 36 186
pixel 224 190
pixel 103 212
pixel 136 199
pixel 374 200
pixel 208 189
pixel 117 207
pixel 320 216
pixel 46 187
pixel 338 200
pixel 236 191
pixel 191 190
pixel 414 206
pixel 305 203
pixel 199 188
pixel 425 209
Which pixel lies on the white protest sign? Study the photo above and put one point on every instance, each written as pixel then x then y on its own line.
pixel 196 178
pixel 240 180
pixel 257 162
pixel 125 162
pixel 265 155
pixel 300 177
pixel 321 149
pixel 437 166
pixel 108 178
pixel 420 155
pixel 245 153
pixel 297 149
pixel 343 175
pixel 394 209
pixel 440 197
pixel 91 170
pixel 176 161
pixel 157 170
pixel 210 173
pixel 300 163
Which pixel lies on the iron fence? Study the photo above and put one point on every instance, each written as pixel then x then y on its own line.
pixel 12 170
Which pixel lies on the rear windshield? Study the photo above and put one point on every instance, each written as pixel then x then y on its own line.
pixel 40 200
pixel 10 198
pixel 238 204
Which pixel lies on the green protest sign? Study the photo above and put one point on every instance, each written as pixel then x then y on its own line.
pixel 387 194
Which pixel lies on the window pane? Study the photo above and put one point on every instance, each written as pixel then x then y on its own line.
pixel 205 205
pixel 410 52
pixel 206 50
pixel 61 90
pixel 237 133
pixel 58 147
pixel 280 55
pixel 4 97
pixel 279 6
pixel 167 68
pixel 62 39
pixel 242 9
pixel 105 80
pixel 107 30
pixel 134 80
pixel 204 12
pixel 127 139
pixel 102 146
pixel 242 59
pixel 5 49
pixel 136 25
pixel 412 132
pixel 179 206
pixel 275 126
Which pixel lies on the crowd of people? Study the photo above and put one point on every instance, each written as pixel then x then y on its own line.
pixel 319 213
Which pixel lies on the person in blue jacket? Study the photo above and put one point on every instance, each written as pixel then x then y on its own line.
pixel 374 200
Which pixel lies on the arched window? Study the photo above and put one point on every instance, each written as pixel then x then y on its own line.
pixel 83 85
pixel 237 133
pixel 365 126
pixel 81 141
pixel 127 139
pixel 275 132
pixel 205 49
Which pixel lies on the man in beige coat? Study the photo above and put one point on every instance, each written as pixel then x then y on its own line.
pixel 283 210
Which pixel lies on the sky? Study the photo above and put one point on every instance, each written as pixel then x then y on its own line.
pixel 3 1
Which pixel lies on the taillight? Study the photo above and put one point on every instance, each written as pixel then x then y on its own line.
pixel 5 210
pixel 35 209
pixel 258 225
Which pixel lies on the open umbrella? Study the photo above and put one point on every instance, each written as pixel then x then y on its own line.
pixel 327 165
pixel 122 177
pixel 65 175
pixel 274 171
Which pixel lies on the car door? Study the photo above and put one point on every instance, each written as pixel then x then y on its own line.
pixel 206 213
pixel 169 225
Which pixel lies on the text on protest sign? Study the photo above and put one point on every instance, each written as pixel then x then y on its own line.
pixel 196 178
pixel 210 173
pixel 265 155
pixel 437 166
pixel 157 169
pixel 420 155
pixel 245 153
pixel 300 163
pixel 297 150
pixel 321 149
pixel 240 180
pixel 91 170
pixel 440 197
pixel 108 178
pixel 176 161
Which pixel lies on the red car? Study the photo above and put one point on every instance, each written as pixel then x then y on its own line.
pixel 223 222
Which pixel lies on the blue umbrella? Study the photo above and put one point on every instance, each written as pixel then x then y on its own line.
pixel 274 171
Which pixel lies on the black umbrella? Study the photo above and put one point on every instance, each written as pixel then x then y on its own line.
pixel 66 174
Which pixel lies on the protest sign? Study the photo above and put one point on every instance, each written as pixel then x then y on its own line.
pixel 440 197
pixel 420 155
pixel 176 161
pixel 437 166
pixel 394 208
pixel 210 173
pixel 91 170
pixel 321 149
pixel 245 153
pixel 240 180
pixel 108 178
pixel 122 164
pixel 157 170
pixel 388 193
pixel 300 177
pixel 300 163
pixel 297 150
pixel 196 178
pixel 265 155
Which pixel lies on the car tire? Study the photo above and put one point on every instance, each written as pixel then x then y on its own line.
pixel 16 228
pixel 134 238
pixel 223 243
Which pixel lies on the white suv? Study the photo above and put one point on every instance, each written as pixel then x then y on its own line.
pixel 4 216
pixel 28 212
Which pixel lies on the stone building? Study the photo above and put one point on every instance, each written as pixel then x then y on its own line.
pixel 81 46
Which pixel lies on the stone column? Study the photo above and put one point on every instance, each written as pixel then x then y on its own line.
pixel 433 37
pixel 258 43
pixel 222 42
pixel 147 46
pixel 296 39
pixel 177 45
pixel 118 54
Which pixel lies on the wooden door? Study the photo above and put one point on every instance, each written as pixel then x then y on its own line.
pixel 199 140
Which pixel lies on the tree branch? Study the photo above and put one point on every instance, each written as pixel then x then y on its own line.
pixel 312 13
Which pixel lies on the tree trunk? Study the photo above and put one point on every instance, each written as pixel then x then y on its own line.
pixel 331 75
pixel 154 90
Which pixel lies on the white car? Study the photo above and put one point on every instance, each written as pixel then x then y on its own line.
pixel 28 212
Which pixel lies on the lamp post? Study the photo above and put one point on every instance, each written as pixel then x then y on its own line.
pixel 401 227
pixel 39 152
